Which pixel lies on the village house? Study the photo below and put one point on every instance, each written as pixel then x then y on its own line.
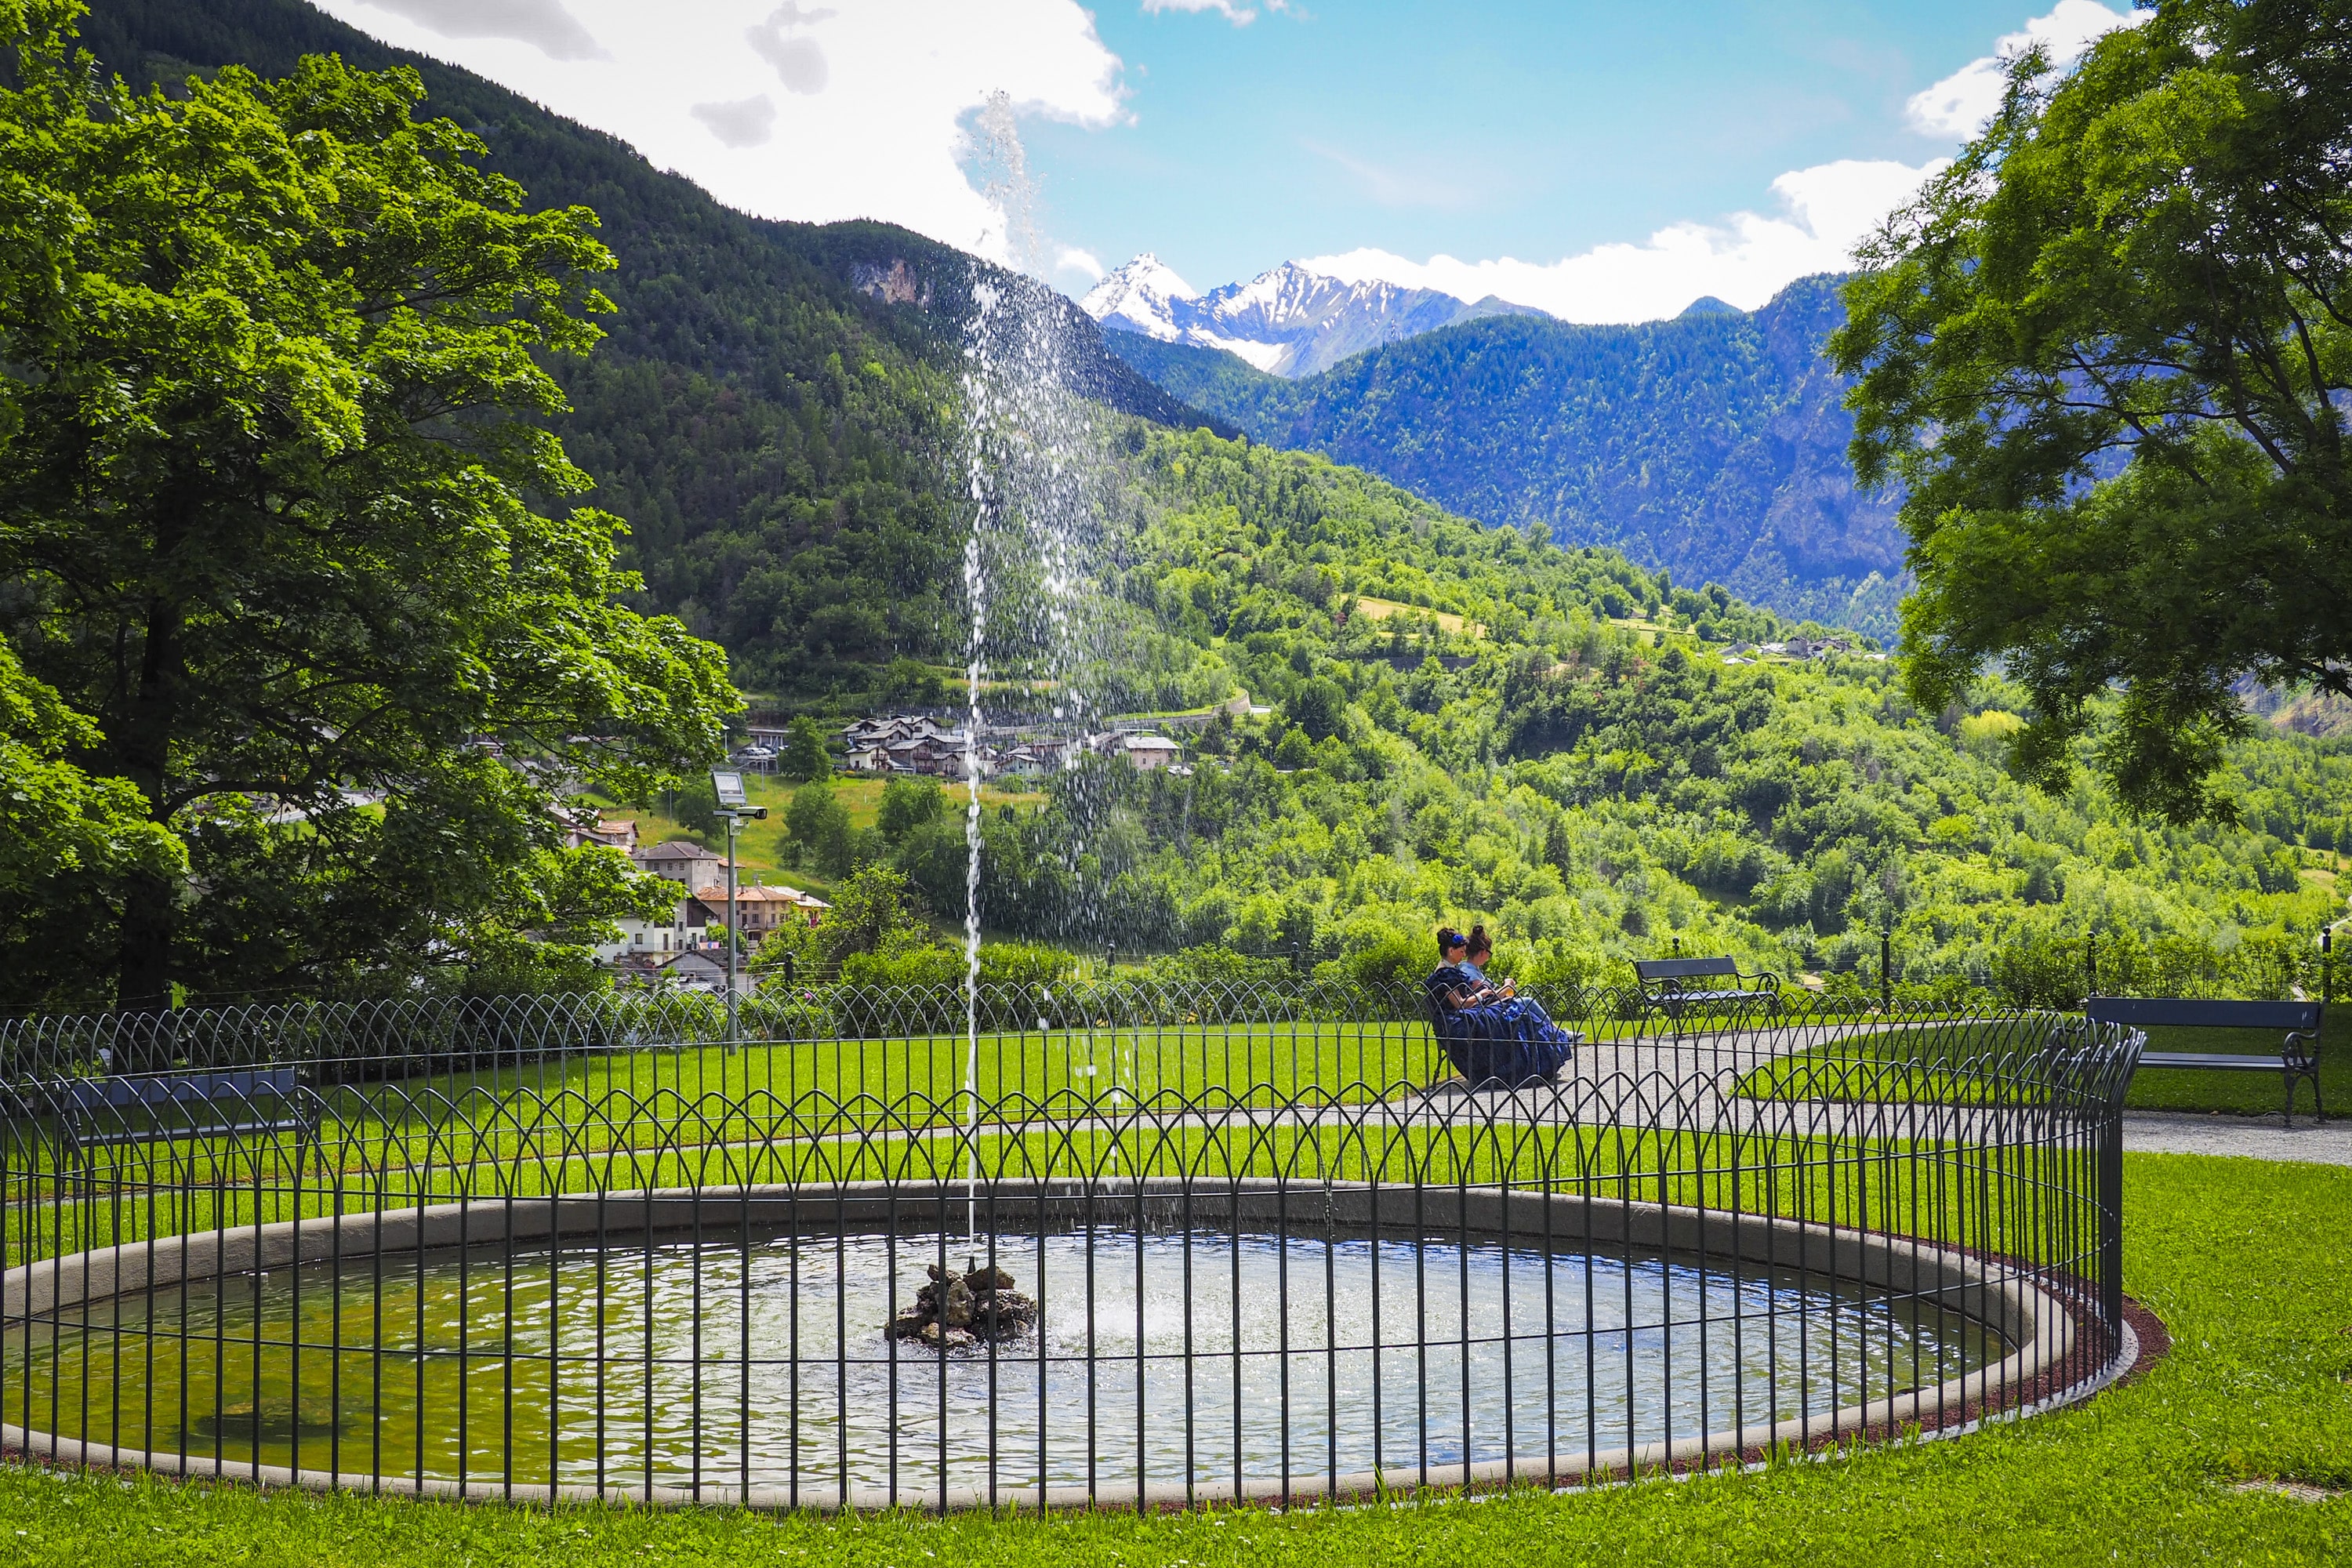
pixel 643 939
pixel 1054 751
pixel 759 910
pixel 636 968
pixel 940 754
pixel 883 731
pixel 696 971
pixel 684 862
pixel 1150 753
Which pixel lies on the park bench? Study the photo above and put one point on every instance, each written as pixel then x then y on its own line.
pixel 90 1112
pixel 2297 1022
pixel 1677 986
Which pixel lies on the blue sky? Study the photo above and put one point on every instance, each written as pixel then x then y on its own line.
pixel 1530 130
pixel 1602 161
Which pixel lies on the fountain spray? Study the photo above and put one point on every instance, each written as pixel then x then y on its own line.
pixel 1029 577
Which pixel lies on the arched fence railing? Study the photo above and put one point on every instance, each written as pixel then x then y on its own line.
pixel 358 1041
pixel 1264 1249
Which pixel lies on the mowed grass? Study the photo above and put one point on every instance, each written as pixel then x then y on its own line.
pixel 695 1095
pixel 2245 1262
pixel 931 1077
pixel 1987 1199
pixel 1965 1066
pixel 708 1093
pixel 767 1094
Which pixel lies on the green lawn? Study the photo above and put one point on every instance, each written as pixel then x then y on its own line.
pixel 2245 1262
pixel 906 1076
pixel 664 1144
pixel 1959 1066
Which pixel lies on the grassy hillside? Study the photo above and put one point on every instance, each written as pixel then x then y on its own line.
pixel 1596 783
pixel 1713 444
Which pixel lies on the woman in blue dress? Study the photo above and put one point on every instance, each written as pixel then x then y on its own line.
pixel 1493 1035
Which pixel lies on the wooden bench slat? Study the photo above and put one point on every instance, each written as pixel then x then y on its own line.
pixel 1683 968
pixel 2224 1062
pixel 2195 1013
pixel 192 1130
pixel 1666 986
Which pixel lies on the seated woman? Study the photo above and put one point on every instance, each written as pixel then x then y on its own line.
pixel 1492 1036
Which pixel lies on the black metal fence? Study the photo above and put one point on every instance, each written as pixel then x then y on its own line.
pixel 1102 1245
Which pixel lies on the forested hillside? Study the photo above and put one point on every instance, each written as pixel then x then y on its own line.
pixel 766 412
pixel 1595 789
pixel 1713 444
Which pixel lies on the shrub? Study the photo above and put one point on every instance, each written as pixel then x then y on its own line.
pixel 819 823
pixel 807 756
pixel 909 803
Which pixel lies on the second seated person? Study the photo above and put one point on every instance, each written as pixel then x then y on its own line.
pixel 1495 1038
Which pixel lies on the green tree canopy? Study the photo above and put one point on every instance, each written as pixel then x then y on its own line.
pixel 271 463
pixel 908 804
pixel 65 838
pixel 819 824
pixel 875 911
pixel 2108 354
pixel 1320 707
pixel 807 756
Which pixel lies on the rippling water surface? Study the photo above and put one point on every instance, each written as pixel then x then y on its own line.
pixel 1165 1355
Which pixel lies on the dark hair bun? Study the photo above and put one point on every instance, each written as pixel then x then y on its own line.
pixel 1448 937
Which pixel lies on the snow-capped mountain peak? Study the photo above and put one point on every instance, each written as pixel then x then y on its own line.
pixel 1141 296
pixel 1290 320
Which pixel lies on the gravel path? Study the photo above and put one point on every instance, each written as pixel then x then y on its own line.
pixel 2249 1137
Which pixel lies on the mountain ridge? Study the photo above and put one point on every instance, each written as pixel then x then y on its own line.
pixel 1289 320
pixel 1712 445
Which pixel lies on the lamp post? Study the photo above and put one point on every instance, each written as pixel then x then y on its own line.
pixel 1886 965
pixel 734 805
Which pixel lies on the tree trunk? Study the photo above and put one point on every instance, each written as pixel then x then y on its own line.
pixel 143 745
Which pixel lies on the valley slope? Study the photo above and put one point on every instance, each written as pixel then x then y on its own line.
pixel 1713 444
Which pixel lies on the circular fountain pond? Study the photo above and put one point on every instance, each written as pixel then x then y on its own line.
pixel 1201 1360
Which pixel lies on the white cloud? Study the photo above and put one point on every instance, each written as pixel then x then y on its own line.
pixel 1823 212
pixel 869 122
pixel 1961 103
pixel 1239 15
pixel 747 122
pixel 544 25
pixel 799 60
pixel 1086 262
pixel 1744 261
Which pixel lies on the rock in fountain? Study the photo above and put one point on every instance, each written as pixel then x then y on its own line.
pixel 963 1308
